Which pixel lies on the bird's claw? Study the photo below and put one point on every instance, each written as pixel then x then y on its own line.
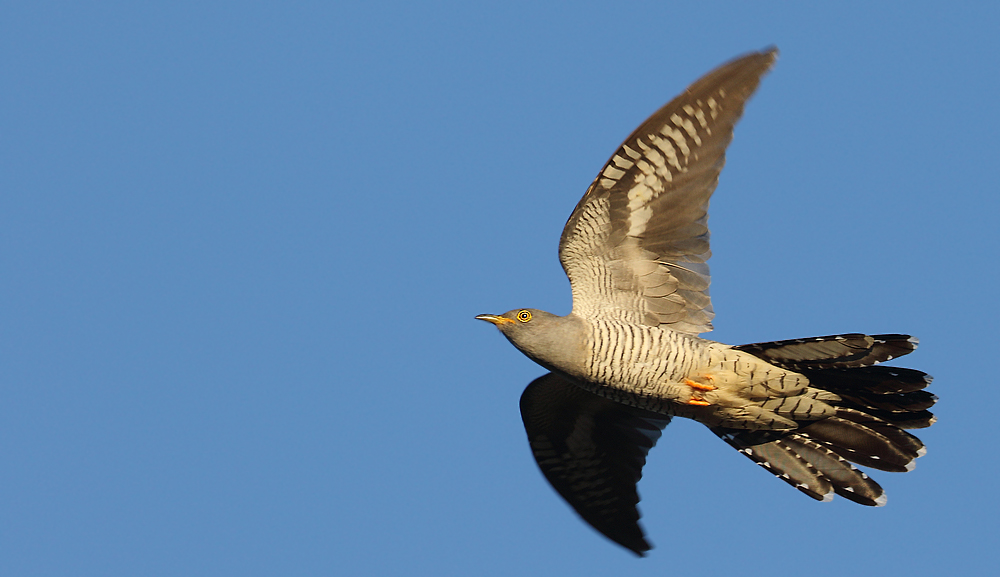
pixel 697 401
pixel 699 386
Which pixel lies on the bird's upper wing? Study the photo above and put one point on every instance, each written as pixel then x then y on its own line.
pixel 636 246
pixel 592 451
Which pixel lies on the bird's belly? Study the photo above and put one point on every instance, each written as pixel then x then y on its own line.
pixel 644 366
pixel 676 374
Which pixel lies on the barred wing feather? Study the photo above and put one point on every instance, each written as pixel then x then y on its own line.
pixel 636 246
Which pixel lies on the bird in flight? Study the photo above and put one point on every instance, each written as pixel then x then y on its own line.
pixel 628 357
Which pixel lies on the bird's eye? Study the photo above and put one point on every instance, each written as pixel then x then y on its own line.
pixel 524 316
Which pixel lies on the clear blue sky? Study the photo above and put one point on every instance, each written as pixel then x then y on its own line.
pixel 241 246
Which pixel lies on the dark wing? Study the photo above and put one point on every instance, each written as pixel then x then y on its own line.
pixel 592 451
pixel 636 246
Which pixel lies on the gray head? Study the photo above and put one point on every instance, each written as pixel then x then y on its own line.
pixel 556 343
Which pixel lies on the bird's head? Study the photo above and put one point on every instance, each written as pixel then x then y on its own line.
pixel 550 340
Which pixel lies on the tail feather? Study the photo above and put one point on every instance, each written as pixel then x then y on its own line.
pixel 886 389
pixel 911 420
pixel 877 379
pixel 861 444
pixel 808 465
pixel 893 402
pixel 784 463
pixel 901 439
pixel 834 351
pixel 846 479
pixel 873 405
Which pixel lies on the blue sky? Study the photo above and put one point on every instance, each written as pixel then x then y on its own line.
pixel 242 245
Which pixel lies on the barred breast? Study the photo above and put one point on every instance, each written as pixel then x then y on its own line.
pixel 641 365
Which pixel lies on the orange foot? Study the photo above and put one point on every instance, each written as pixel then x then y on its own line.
pixel 696 401
pixel 700 386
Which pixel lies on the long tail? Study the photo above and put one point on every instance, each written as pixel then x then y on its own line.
pixel 877 403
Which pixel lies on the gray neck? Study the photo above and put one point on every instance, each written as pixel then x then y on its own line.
pixel 557 343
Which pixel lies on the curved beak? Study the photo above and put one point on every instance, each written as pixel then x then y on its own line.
pixel 497 320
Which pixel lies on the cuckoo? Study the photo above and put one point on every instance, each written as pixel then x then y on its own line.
pixel 628 357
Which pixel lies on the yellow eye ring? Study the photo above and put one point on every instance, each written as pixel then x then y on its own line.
pixel 524 316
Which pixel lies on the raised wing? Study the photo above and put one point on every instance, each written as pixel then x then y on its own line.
pixel 636 246
pixel 592 451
